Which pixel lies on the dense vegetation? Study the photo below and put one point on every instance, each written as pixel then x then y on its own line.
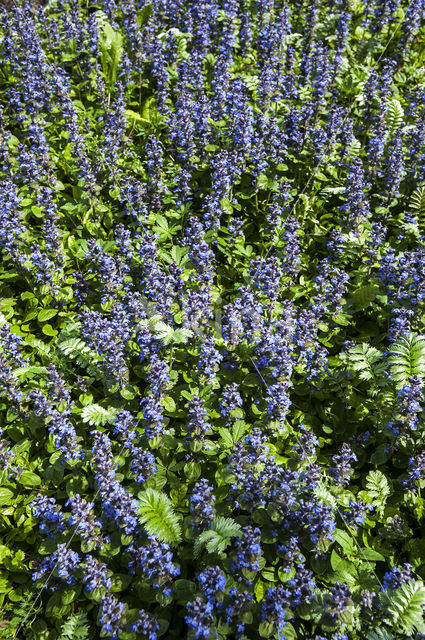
pixel 212 329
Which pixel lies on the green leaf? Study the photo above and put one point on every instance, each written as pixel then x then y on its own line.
pixel 6 496
pixel 417 205
pixel 345 540
pixel 407 358
pixel 371 554
pixel 111 47
pixel 394 115
pixel 405 606
pixel 29 479
pixel 75 627
pixel 169 404
pixel 364 296
pixel 378 489
pixel 46 314
pixel 94 414
pixel 49 331
pixel 158 517
pixel 30 372
pixel 218 536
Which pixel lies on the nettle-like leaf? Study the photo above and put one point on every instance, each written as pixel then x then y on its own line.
pixel 218 536
pixel 158 516
pixel 407 358
pixel 394 115
pixel 366 361
pixel 378 489
pixel 405 606
pixel 94 414
pixel 75 627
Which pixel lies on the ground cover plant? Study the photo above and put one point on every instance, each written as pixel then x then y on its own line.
pixel 212 339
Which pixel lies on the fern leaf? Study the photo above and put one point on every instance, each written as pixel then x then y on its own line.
pixel 324 495
pixel 73 347
pixel 157 515
pixel 226 527
pixel 218 536
pixel 75 627
pixel 407 358
pixel 94 414
pixel 365 361
pixel 405 606
pixel 41 347
pixel 29 372
pixel 380 634
pixel 417 204
pixel 378 489
pixel 394 115
pixel 202 540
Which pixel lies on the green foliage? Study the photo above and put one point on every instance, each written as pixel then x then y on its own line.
pixel 111 46
pixel 106 189
pixel 367 362
pixel 407 358
pixel 218 536
pixel 380 634
pixel 75 627
pixel 158 517
pixel 94 414
pixel 394 115
pixel 417 205
pixel 378 489
pixel 405 606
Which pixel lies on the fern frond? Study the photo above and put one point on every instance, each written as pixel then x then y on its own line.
pixel 226 527
pixel 76 349
pixel 41 347
pixel 218 536
pixel 394 115
pixel 365 360
pixel 94 414
pixel 380 634
pixel 405 606
pixel 417 204
pixel 324 495
pixel 407 358
pixel 378 489
pixel 158 517
pixel 202 540
pixel 73 347
pixel 75 627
